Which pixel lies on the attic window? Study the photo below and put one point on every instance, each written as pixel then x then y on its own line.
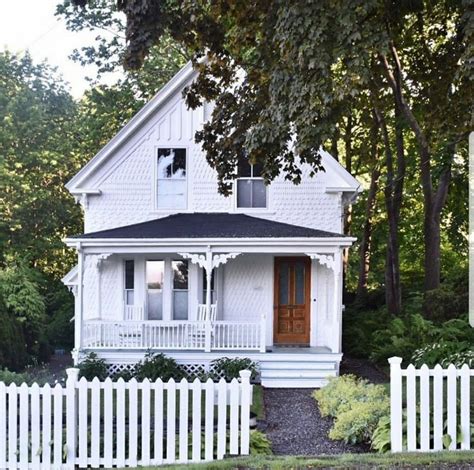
pixel 251 190
pixel 171 179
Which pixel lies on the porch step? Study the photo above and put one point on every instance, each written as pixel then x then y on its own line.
pixel 296 374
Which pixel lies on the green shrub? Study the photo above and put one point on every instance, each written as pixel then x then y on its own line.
pixel 92 367
pixel 259 444
pixel 8 377
pixel 357 424
pixel 342 392
pixel 229 368
pixel 381 440
pixel 158 366
pixel 356 406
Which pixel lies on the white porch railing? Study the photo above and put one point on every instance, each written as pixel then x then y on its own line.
pixel 175 335
pixel 134 313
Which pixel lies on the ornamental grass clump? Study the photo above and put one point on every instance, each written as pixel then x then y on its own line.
pixel 356 406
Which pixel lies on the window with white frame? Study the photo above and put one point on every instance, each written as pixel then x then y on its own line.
pixel 251 189
pixel 171 192
pixel 180 289
pixel 129 278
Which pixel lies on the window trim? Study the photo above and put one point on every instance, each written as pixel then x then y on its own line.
pixel 125 290
pixel 156 148
pixel 173 289
pixel 255 178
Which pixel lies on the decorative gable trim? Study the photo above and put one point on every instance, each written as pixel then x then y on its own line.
pixel 331 164
pixel 150 109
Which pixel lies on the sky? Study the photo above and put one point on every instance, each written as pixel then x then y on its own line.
pixel 31 25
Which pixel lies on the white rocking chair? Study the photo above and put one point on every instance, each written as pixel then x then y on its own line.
pixel 197 336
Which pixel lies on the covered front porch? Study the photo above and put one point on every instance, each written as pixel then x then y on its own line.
pixel 259 286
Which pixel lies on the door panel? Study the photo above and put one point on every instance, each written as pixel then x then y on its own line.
pixel 292 300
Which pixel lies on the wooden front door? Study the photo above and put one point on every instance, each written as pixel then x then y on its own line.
pixel 292 300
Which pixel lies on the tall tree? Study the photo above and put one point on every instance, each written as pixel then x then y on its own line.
pixel 303 64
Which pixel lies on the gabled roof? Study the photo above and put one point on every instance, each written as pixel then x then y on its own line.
pixel 161 98
pixel 77 184
pixel 213 225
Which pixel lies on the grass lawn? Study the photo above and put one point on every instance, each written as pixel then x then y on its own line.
pixel 408 460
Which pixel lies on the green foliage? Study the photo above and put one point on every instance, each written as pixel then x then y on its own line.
pixel 444 353
pixel 229 368
pixel 356 406
pixel 92 367
pixel 259 443
pixel 381 440
pixel 21 293
pixel 13 353
pixel 8 377
pixel 158 366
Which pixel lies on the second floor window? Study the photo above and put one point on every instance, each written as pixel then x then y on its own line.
pixel 171 179
pixel 251 190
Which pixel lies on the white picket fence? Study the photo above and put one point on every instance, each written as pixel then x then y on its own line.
pixel 123 424
pixel 437 405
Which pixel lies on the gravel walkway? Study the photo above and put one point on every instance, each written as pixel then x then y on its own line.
pixel 295 427
pixel 293 422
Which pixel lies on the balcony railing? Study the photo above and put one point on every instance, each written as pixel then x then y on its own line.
pixel 175 335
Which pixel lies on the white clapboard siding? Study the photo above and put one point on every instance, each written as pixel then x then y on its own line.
pixel 437 406
pixel 93 424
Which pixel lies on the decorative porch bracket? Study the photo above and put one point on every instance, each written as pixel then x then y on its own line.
pixel 208 262
pixel 333 261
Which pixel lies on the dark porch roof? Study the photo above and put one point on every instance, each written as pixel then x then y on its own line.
pixel 210 225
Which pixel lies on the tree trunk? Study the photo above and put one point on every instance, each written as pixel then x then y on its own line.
pixel 393 200
pixel 365 244
pixel 433 200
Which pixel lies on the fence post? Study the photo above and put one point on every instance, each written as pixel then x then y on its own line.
pixel 263 325
pixel 395 403
pixel 246 391
pixel 71 416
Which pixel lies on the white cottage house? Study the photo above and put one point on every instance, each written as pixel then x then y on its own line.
pixel 166 263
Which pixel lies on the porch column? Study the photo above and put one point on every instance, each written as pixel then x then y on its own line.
pixel 78 311
pixel 333 261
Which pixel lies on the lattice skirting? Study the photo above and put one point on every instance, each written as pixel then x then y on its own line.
pixel 193 370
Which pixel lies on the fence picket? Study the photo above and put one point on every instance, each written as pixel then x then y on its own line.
pixel 234 417
pixel 209 421
pixel 438 408
pixel 245 392
pixel 35 426
pixel 83 418
pixel 12 425
pixel 171 422
pixel 58 426
pixel 108 422
pixel 75 425
pixel 222 419
pixel 120 435
pixel 196 437
pixel 183 420
pixel 71 415
pixel 424 408
pixel 23 430
pixel 452 408
pixel 145 434
pixel 158 444
pixel 132 421
pixel 3 425
pixel 46 424
pixel 411 408
pixel 465 412
pixel 95 422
